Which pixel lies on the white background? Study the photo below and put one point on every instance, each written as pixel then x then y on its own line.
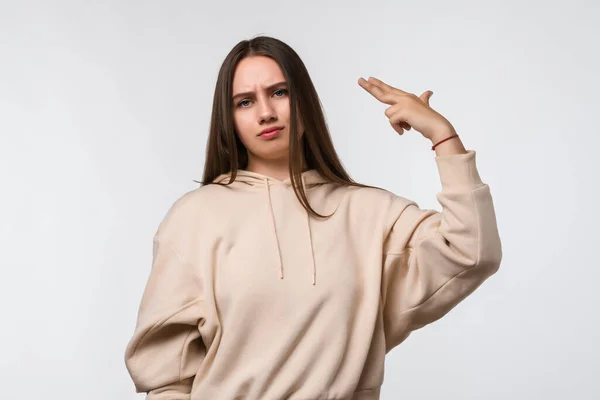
pixel 104 114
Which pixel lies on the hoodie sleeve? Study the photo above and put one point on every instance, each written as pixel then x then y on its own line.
pixel 166 349
pixel 433 260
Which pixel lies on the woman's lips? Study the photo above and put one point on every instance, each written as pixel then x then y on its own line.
pixel 270 135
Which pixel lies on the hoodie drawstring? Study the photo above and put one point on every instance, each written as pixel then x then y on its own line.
pixel 274 229
pixel 310 241
pixel 274 226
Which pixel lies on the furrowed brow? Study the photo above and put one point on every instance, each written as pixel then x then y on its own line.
pixel 244 94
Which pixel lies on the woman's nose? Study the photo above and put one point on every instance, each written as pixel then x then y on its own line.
pixel 266 112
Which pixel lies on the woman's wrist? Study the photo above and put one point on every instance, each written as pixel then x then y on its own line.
pixel 447 142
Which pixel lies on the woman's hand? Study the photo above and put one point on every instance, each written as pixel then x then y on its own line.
pixel 408 111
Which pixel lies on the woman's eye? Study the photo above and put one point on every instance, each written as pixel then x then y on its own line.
pixel 282 91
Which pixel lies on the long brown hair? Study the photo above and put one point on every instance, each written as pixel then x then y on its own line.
pixel 225 151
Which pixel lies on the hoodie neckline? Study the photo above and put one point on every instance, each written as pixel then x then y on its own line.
pixel 308 178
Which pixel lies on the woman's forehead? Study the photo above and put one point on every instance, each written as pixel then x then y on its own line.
pixel 256 72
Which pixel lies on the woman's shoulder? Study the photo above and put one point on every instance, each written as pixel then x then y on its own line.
pixel 373 195
pixel 197 199
pixel 193 205
pixel 371 202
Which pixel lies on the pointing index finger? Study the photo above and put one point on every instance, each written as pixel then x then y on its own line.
pixel 384 86
pixel 374 90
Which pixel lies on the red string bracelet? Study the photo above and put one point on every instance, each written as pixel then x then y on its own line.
pixel 442 141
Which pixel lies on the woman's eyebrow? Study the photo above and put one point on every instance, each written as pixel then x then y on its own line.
pixel 273 86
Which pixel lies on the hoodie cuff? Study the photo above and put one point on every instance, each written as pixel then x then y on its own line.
pixel 459 170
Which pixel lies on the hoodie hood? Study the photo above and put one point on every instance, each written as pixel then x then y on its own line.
pixel 309 179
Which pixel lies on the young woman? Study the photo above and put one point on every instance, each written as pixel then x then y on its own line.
pixel 282 278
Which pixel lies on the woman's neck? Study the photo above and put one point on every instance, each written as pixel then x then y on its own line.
pixel 278 169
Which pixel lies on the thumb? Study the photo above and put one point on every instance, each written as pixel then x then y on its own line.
pixel 426 96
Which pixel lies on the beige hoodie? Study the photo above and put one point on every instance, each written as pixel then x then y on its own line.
pixel 250 298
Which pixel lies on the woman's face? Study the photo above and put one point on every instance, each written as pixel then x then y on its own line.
pixel 261 101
